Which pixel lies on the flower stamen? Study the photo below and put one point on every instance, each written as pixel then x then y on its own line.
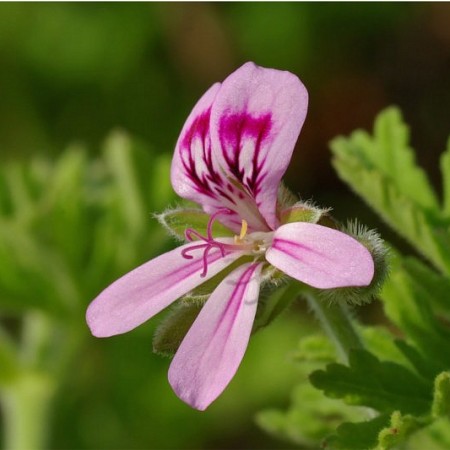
pixel 209 240
pixel 242 234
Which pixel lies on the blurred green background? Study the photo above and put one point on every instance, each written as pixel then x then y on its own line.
pixel 72 74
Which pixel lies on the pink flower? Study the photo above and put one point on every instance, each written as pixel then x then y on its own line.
pixel 230 157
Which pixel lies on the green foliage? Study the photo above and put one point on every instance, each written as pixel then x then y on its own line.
pixel 406 303
pixel 359 435
pixel 441 401
pixel 382 170
pixel 404 381
pixel 310 417
pixel 381 385
pixel 75 219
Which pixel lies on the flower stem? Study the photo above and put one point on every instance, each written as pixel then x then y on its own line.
pixel 46 348
pixel 337 323
pixel 26 409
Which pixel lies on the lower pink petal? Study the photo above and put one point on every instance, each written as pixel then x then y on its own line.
pixel 319 256
pixel 145 291
pixel 211 352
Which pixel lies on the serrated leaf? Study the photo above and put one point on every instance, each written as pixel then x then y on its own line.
pixel 173 328
pixel 176 221
pixel 358 435
pixel 432 284
pixel 310 417
pixel 405 303
pixel 399 430
pixel 389 153
pixel 383 385
pixel 423 365
pixel 382 171
pixel 379 341
pixel 441 400
pixel 315 348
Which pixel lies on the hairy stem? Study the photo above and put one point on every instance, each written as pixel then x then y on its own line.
pixel 337 323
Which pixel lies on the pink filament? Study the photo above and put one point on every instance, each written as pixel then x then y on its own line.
pixel 209 241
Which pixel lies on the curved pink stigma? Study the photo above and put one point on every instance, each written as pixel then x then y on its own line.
pixel 209 240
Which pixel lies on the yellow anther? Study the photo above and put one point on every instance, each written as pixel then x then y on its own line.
pixel 244 227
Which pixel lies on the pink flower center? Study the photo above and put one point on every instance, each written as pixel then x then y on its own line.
pixel 209 241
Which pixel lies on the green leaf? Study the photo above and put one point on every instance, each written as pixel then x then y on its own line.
pixel 434 286
pixel 65 204
pixel 315 348
pixel 381 169
pixel 176 221
pixel 126 162
pixel 380 341
pixel 173 328
pixel 310 417
pixel 406 305
pixel 357 436
pixel 385 386
pixel 424 366
pixel 399 430
pixel 388 152
pixel 441 400
pixel 445 170
pixel 48 285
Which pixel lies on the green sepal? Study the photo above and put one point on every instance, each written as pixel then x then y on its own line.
pixel 177 220
pixel 272 305
pixel 302 212
pixel 380 255
pixel 382 385
pixel 174 327
pixel 441 397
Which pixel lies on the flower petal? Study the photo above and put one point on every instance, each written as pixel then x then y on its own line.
pixel 237 143
pixel 212 350
pixel 255 121
pixel 193 175
pixel 146 290
pixel 319 256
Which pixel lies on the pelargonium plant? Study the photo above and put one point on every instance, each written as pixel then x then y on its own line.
pixel 230 157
